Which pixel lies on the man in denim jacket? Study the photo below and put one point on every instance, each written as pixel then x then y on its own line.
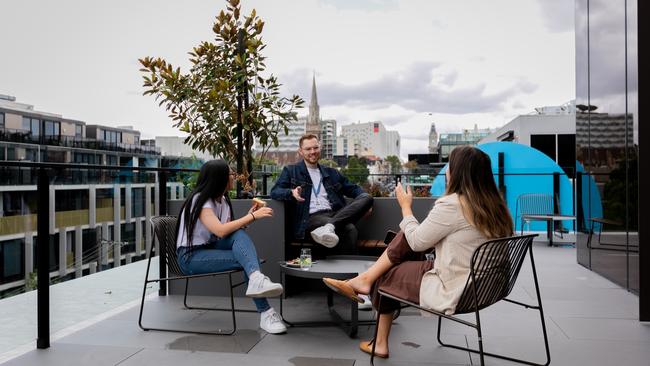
pixel 317 195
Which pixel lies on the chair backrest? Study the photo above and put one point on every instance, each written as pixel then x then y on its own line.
pixel 534 204
pixel 165 229
pixel 494 269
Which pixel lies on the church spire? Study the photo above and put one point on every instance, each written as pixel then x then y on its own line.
pixel 313 121
pixel 314 97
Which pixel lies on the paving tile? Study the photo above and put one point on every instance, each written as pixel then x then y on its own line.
pixel 185 358
pixel 568 352
pixel 61 354
pixel 605 329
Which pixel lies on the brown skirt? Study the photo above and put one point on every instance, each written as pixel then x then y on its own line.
pixel 404 279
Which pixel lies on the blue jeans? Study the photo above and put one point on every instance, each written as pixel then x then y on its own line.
pixel 235 251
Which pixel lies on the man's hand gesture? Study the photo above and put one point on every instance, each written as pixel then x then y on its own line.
pixel 297 194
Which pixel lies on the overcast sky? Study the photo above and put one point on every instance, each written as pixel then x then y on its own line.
pixel 406 63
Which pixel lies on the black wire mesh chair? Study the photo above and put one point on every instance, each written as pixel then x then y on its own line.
pixel 494 268
pixel 165 230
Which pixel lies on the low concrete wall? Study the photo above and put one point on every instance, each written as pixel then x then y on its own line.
pixel 270 238
pixel 386 215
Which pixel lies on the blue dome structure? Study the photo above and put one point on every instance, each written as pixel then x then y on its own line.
pixel 592 205
pixel 526 170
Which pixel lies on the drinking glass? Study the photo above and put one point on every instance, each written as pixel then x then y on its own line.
pixel 305 259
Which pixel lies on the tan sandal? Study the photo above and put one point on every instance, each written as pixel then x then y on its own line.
pixel 366 346
pixel 342 288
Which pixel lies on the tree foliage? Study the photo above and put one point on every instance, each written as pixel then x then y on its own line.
pixel 395 164
pixel 204 101
pixel 328 163
pixel 356 171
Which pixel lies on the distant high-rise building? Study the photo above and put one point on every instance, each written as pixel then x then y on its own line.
pixel 328 138
pixel 313 120
pixel 433 139
pixel 372 139
pixel 287 150
pixel 449 141
pixel 344 146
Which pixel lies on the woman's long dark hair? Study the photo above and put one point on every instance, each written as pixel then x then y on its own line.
pixel 211 184
pixel 471 178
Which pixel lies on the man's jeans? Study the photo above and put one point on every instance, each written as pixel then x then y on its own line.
pixel 344 221
pixel 235 251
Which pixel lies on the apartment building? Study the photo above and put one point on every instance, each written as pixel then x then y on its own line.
pixel 96 216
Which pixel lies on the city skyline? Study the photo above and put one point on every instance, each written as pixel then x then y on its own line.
pixel 406 64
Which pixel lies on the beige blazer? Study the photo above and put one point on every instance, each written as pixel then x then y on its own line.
pixel 446 229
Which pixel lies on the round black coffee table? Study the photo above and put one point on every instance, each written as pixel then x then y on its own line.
pixel 341 267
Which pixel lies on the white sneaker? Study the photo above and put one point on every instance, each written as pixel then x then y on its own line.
pixel 272 322
pixel 260 285
pixel 325 236
pixel 367 304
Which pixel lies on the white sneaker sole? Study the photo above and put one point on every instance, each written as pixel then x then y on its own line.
pixel 272 292
pixel 274 331
pixel 328 240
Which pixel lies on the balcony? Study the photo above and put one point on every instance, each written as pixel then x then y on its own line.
pixel 590 320
pixel 24 136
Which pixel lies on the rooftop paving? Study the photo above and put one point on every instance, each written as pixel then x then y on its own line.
pixel 590 320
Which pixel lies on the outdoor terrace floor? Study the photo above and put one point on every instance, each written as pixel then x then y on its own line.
pixel 590 321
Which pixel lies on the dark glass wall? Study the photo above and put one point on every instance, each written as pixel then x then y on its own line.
pixel 607 140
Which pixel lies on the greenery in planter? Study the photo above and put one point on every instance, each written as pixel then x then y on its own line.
pixel 225 86
pixel 356 170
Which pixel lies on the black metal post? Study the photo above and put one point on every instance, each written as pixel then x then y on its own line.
pixel 556 192
pixel 265 176
pixel 643 10
pixel 162 210
pixel 502 173
pixel 240 116
pixel 580 215
pixel 42 266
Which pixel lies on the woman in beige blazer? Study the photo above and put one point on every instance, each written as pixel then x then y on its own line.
pixel 471 212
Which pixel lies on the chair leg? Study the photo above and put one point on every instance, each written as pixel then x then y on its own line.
pixel 144 293
pixel 480 338
pixel 478 328
pixel 374 343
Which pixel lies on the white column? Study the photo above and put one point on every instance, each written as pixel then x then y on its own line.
pixel 116 213
pixel 147 222
pixel 52 209
pixel 117 254
pixel 92 206
pixel 138 236
pixel 127 203
pixel 29 254
pixel 104 247
pixel 156 199
pixel 78 252
pixel 62 252
pixel 172 191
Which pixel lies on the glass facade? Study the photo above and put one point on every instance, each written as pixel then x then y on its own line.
pixel 607 139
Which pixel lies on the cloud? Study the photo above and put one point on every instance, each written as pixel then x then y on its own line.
pixel 361 4
pixel 420 88
pixel 558 15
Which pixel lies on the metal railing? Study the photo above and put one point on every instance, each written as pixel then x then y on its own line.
pixel 26 137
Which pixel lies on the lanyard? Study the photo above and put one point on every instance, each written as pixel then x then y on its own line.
pixel 317 190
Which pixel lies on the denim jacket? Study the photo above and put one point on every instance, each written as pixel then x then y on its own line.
pixel 336 185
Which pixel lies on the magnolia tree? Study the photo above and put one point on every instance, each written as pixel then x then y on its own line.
pixel 225 99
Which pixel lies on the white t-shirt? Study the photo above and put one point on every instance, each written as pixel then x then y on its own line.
pixel 319 201
pixel 201 233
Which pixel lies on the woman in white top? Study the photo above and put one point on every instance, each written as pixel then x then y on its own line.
pixel 209 239
pixel 471 212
